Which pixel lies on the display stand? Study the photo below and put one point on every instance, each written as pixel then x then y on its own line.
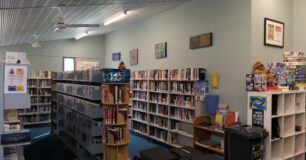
pixel 206 137
pixel 116 104
pixel 12 101
pixel 282 114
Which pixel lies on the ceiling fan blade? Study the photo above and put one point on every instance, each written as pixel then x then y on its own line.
pixel 83 25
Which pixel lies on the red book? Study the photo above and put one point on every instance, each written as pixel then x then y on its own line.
pixel 230 118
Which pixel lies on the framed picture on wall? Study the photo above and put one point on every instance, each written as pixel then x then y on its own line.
pixel 134 57
pixel 161 50
pixel 274 33
pixel 116 56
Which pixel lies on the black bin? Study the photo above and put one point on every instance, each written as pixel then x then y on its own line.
pixel 244 142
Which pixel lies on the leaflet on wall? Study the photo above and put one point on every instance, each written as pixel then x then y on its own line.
pixel 15 79
pixel 16 58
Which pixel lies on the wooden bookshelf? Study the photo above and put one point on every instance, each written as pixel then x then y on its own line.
pixel 39 88
pixel 116 137
pixel 164 104
pixel 206 137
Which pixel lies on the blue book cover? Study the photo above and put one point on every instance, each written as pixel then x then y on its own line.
pixel 211 103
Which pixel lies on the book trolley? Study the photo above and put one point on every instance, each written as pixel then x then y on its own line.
pixel 115 99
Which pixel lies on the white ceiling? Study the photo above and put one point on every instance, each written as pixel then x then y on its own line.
pixel 21 19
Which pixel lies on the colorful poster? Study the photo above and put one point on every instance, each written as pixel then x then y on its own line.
pixel 15 79
pixel 258 102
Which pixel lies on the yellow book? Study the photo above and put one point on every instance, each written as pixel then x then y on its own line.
pixel 219 119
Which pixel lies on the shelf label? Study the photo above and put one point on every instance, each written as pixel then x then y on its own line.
pixel 15 79
pixel 258 118
pixel 258 102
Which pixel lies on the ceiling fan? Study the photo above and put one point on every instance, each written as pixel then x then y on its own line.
pixel 60 25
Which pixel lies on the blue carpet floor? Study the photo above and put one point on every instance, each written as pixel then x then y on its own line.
pixel 43 144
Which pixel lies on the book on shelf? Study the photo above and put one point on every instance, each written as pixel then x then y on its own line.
pixel 112 94
pixel 115 135
pixel 111 115
pixel 122 117
pixel 211 103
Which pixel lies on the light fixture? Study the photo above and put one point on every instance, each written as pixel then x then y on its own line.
pixel 79 36
pixel 116 18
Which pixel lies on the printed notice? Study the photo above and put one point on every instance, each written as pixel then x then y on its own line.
pixel 15 79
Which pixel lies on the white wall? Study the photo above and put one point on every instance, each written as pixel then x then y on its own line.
pixel 230 55
pixel 299 25
pixel 280 10
pixel 49 56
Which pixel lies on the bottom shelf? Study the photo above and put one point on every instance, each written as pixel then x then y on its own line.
pixel 210 148
pixel 81 153
pixel 116 152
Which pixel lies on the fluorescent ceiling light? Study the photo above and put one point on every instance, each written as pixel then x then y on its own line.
pixel 116 18
pixel 79 36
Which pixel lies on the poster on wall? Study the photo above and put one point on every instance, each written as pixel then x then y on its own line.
pixel 133 57
pixel 258 102
pixel 274 33
pixel 84 65
pixel 258 118
pixel 15 79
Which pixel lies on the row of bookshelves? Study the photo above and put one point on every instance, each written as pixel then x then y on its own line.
pixel 41 74
pixel 160 134
pixel 39 83
pixel 171 74
pixel 35 119
pixel 85 131
pixel 163 99
pixel 182 87
pixel 77 148
pixel 35 110
pixel 90 75
pixel 90 109
pixel 85 91
pixel 40 100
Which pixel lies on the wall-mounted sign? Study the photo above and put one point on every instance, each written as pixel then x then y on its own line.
pixel 258 102
pixel 258 118
pixel 15 79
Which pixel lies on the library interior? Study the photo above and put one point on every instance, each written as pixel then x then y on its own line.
pixel 152 80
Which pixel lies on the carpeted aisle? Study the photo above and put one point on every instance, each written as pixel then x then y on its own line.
pixel 48 148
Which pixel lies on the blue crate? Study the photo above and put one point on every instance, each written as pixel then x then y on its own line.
pixel 110 75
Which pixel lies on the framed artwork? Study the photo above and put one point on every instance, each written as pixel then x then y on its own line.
pixel 274 33
pixel 200 41
pixel 134 57
pixel 116 56
pixel 161 50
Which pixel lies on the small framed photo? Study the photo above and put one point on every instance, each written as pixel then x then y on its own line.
pixel 274 33
pixel 161 50
pixel 116 56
